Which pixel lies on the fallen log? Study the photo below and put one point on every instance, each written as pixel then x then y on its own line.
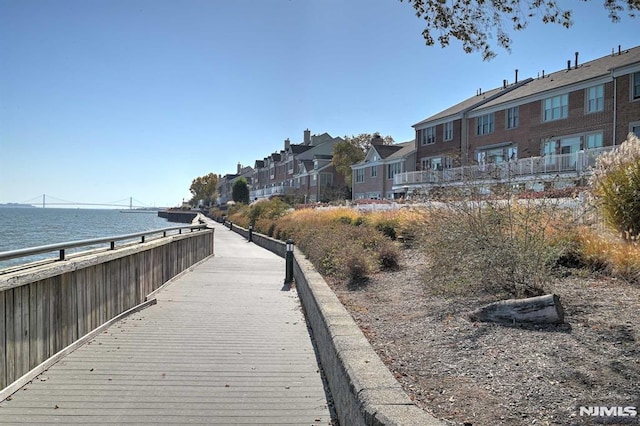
pixel 545 309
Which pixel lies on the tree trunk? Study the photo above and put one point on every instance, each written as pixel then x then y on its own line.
pixel 541 310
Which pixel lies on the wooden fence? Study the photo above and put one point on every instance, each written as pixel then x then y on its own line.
pixel 45 309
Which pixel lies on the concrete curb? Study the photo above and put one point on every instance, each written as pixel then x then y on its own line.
pixel 363 389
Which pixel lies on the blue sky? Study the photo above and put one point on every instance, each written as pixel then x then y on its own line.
pixel 102 100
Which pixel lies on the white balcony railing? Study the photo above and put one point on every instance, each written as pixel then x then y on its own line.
pixel 577 162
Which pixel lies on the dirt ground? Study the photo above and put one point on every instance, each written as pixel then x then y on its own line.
pixel 469 373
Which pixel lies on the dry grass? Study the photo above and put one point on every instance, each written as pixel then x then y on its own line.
pixel 615 256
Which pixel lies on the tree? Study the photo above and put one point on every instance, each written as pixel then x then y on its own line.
pixel 351 150
pixel 473 22
pixel 240 191
pixel 204 188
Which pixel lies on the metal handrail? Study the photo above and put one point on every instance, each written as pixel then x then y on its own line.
pixel 62 247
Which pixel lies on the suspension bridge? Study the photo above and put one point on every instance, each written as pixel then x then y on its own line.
pixel 49 200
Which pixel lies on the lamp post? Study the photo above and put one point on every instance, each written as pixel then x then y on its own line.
pixel 289 262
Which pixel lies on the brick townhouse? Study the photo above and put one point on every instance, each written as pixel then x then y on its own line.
pixel 372 178
pixel 303 170
pixel 225 183
pixel 539 132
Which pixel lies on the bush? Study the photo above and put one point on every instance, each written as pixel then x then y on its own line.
pixel 616 184
pixel 493 247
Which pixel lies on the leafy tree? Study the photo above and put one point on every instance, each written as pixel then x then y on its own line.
pixel 204 188
pixel 352 150
pixel 240 191
pixel 474 22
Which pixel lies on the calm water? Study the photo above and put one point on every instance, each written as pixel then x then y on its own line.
pixel 31 227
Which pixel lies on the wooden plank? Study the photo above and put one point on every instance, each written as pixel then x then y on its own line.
pixel 24 330
pixel 73 305
pixel 42 314
pixel 92 285
pixel 55 314
pixel 102 294
pixel 112 294
pixel 17 331
pixel 81 306
pixel 33 325
pixel 33 373
pixel 65 314
pixel 3 342
pixel 10 334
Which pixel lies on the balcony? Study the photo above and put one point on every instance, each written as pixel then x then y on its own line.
pixel 549 167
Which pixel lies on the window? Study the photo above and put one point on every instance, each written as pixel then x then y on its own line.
pixel 436 163
pixel 484 124
pixel 593 141
pixel 595 98
pixel 428 136
pixel 326 179
pixel 497 155
pixel 393 169
pixel 447 134
pixel 556 108
pixel 636 85
pixel 359 175
pixel 513 115
pixel 374 171
pixel 635 128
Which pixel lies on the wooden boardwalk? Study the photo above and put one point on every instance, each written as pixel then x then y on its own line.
pixel 225 344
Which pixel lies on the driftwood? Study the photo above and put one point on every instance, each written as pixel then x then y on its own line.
pixel 540 310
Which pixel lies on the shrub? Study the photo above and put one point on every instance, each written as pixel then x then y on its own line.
pixel 356 267
pixel 616 184
pixel 493 246
pixel 388 256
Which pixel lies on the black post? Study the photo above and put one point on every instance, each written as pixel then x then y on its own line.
pixel 250 233
pixel 230 226
pixel 289 263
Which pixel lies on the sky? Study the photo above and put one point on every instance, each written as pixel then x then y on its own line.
pixel 103 100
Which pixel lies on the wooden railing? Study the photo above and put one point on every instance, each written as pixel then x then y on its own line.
pixel 46 308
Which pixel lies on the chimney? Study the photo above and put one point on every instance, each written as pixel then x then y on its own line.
pixel 619 51
pixel 377 140
pixel 576 63
pixel 568 64
pixel 307 137
pixel 516 76
pixel 542 73
pixel 239 168
pixel 504 84
pixel 287 144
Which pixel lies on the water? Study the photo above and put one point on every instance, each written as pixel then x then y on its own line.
pixel 31 227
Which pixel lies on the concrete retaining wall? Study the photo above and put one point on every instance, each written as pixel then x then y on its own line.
pixel 364 390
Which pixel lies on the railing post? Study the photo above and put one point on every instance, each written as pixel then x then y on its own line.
pixel 250 233
pixel 289 263
pixel 230 226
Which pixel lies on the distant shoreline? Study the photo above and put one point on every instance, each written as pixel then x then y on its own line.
pixel 16 205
